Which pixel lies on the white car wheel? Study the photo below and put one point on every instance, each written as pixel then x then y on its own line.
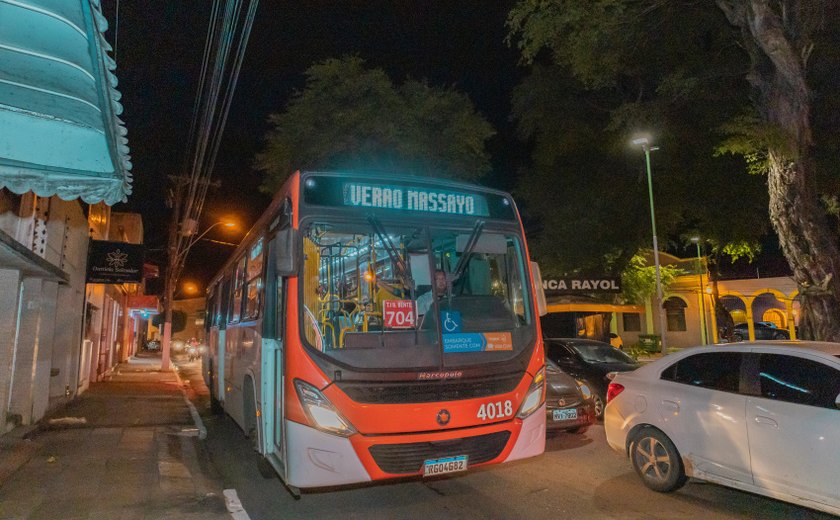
pixel 656 461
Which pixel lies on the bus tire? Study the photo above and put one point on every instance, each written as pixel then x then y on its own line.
pixel 216 407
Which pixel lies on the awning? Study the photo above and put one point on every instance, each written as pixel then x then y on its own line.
pixel 59 130
pixel 592 307
pixel 13 255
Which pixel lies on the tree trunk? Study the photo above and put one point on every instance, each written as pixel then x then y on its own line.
pixel 783 101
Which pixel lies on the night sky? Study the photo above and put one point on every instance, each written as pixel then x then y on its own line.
pixel 160 45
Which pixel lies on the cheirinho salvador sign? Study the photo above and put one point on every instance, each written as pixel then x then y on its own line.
pixel 582 285
pixel 114 262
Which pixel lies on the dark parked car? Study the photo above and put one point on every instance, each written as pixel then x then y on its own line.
pixel 589 361
pixel 762 331
pixel 568 402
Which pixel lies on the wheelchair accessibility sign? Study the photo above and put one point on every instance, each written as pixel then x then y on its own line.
pixel 450 321
pixel 456 341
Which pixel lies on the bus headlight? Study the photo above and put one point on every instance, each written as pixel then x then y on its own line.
pixel 322 414
pixel 535 397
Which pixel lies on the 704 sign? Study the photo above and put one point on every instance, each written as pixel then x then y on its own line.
pixel 399 314
pixel 495 410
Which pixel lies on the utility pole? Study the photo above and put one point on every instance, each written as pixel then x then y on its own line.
pixel 169 281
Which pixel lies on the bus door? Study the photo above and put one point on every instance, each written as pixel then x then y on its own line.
pixel 274 349
pixel 279 370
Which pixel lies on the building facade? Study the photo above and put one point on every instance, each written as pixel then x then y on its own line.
pixel 62 147
pixel 688 309
pixel 688 306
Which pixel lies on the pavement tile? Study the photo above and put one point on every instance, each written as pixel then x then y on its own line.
pixel 111 512
pixel 67 509
pixel 128 460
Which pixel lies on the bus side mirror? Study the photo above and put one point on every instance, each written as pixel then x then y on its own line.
pixel 286 257
pixel 538 289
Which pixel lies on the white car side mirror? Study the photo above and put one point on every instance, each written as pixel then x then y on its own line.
pixel 837 401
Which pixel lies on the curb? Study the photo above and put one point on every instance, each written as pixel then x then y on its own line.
pixel 199 424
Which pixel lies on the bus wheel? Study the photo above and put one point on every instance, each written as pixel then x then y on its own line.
pixel 216 407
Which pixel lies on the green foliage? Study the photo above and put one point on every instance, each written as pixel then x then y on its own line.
pixel 638 281
pixel 591 37
pixel 742 249
pixel 748 136
pixel 350 117
pixel 601 72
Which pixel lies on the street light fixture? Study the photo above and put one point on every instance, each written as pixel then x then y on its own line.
pixel 226 223
pixel 177 258
pixel 645 144
pixel 703 333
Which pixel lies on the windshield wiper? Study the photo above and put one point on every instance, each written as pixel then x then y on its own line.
pixel 400 266
pixel 468 249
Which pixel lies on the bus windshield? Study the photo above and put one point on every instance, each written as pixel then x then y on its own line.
pixel 385 297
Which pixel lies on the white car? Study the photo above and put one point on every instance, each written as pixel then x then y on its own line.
pixel 762 417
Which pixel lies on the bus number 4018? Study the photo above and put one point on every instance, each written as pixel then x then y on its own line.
pixel 495 410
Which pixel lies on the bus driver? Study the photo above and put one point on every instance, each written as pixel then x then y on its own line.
pixel 424 301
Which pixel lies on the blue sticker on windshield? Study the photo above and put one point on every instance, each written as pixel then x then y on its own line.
pixel 463 342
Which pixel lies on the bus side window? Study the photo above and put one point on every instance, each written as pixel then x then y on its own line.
pixel 254 285
pixel 236 309
pixel 223 316
pixel 210 310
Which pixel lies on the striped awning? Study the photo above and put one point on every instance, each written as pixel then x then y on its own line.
pixel 60 133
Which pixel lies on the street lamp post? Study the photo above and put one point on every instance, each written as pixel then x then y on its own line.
pixel 704 338
pixel 645 144
pixel 176 261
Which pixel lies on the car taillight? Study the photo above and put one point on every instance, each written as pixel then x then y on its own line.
pixel 613 390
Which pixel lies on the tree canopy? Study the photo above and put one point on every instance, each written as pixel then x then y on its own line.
pixel 729 87
pixel 349 117
pixel 582 105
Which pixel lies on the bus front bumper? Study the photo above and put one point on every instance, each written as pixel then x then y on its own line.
pixel 317 459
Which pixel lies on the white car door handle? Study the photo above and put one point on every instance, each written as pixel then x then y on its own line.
pixel 671 406
pixel 760 419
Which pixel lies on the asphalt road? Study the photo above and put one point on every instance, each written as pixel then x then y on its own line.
pixel 578 477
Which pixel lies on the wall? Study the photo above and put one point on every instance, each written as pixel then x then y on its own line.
pixel 40 311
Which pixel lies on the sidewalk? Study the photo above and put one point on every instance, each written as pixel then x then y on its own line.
pixel 126 449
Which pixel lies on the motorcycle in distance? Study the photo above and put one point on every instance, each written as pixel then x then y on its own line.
pixel 192 349
pixel 195 349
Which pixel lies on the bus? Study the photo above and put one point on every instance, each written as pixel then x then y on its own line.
pixel 320 351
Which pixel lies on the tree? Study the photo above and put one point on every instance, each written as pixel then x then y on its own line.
pixel 661 55
pixel 638 281
pixel 350 117
pixel 588 188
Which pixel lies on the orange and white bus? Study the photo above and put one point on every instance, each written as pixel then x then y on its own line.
pixel 331 348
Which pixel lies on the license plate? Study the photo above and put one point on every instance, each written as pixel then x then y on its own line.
pixel 433 467
pixel 563 415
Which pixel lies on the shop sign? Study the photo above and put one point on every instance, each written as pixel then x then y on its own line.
pixel 588 285
pixel 114 262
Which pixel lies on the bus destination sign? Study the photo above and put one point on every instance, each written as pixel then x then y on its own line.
pixel 415 199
